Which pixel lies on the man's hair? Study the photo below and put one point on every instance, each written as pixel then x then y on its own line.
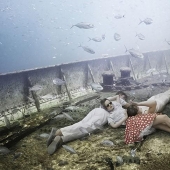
pixel 102 102
pixel 122 93
pixel 132 110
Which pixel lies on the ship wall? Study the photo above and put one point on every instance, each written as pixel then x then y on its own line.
pixel 16 100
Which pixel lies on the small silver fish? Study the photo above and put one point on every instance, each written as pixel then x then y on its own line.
pixel 107 143
pixel 36 87
pixel 83 25
pixel 67 116
pixel 96 87
pixel 133 152
pixel 61 116
pixel 119 159
pixel 103 36
pixel 117 36
pixel 48 96
pixel 4 150
pixel 44 135
pixel 119 16
pixel 135 53
pixel 167 42
pixel 96 39
pixel 87 49
pixel 58 82
pixel 147 21
pixel 69 149
pixel 71 108
pixel 140 36
pixel 7 122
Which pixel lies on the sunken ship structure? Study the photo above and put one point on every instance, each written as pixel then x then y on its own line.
pixel 23 112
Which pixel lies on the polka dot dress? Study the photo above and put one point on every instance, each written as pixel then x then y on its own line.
pixel 136 124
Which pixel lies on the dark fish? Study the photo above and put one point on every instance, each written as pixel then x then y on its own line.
pixel 96 39
pixel 83 25
pixel 87 49
pixel 103 36
pixel 4 150
pixel 36 87
pixel 117 36
pixel 140 36
pixel 147 21
pixel 69 149
pixel 110 163
pixel 135 53
pixel 58 82
pixel 16 155
pixel 167 42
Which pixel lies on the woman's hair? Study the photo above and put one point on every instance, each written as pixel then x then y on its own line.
pixel 102 102
pixel 122 93
pixel 132 110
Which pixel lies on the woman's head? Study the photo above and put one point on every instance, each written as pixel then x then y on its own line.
pixel 107 104
pixel 132 110
pixel 122 95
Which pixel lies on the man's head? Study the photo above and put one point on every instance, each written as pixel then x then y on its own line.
pixel 132 110
pixel 107 104
pixel 122 95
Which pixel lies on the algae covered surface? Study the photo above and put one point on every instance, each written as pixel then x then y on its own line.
pixel 30 153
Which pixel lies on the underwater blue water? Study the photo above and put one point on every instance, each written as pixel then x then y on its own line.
pixel 36 33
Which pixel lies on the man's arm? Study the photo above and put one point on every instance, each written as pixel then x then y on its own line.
pixel 114 98
pixel 117 124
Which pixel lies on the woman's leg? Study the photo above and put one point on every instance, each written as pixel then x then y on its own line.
pixel 162 127
pixel 161 119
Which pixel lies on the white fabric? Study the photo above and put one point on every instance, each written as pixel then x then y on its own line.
pixel 118 113
pixel 161 100
pixel 97 115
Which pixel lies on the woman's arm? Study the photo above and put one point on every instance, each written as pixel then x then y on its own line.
pixel 117 124
pixel 117 98
pixel 149 103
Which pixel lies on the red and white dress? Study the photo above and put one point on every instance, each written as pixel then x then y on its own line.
pixel 139 126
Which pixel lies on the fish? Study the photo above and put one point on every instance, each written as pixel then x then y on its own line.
pixel 4 150
pixel 110 163
pixel 103 36
pixel 7 122
pixel 58 82
pixel 96 39
pixel 71 108
pixel 117 36
pixel 135 53
pixel 69 149
pixel 17 155
pixel 133 152
pixel 67 116
pixel 84 131
pixel 140 36
pixel 107 143
pixel 48 96
pixel 167 42
pixel 96 87
pixel 151 70
pixel 61 116
pixel 119 159
pixel 36 87
pixel 44 135
pixel 147 21
pixel 87 49
pixel 98 126
pixel 119 16
pixel 83 25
